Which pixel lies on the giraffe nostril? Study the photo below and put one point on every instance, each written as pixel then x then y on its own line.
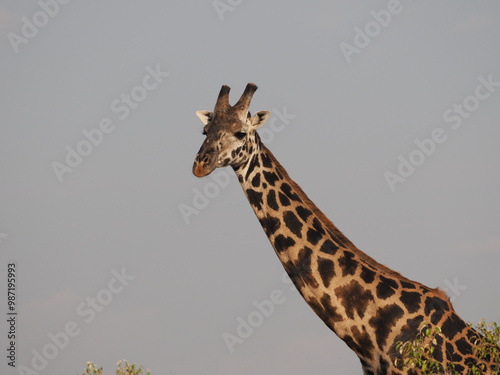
pixel 206 159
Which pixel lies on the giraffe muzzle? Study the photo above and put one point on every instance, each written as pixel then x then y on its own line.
pixel 204 164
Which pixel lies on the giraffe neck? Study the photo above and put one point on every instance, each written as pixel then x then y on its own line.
pixel 290 219
pixel 273 194
pixel 365 303
pixel 321 261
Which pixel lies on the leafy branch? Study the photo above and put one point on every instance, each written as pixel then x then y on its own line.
pixel 419 353
pixel 123 368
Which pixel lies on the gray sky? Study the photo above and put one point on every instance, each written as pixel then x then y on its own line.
pixel 386 113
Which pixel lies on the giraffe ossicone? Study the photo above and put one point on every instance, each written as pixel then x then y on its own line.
pixel 368 305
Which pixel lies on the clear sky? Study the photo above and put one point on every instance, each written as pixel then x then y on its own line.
pixel 385 112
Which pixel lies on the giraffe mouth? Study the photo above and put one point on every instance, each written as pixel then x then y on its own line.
pixel 200 170
pixel 204 164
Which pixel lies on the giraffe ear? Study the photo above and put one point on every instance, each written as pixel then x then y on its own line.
pixel 204 116
pixel 259 119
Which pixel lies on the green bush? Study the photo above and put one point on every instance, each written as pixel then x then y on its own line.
pixel 122 368
pixel 418 354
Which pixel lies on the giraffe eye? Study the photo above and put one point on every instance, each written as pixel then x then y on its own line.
pixel 240 135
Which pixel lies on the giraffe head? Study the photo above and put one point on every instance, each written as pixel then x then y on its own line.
pixel 230 132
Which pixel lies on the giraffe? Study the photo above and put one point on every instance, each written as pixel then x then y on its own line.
pixel 368 305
